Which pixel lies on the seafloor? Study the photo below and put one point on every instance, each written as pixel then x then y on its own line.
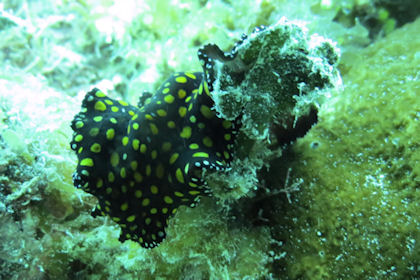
pixel 349 208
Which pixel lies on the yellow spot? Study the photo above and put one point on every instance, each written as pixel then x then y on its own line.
pixel 109 102
pixel 79 124
pixel 138 193
pixel 135 126
pixel 111 177
pixel 226 124
pixel 182 93
pixel 160 171
pixel 145 202
pixel 123 173
pixel 149 117
pixel 148 221
pixel 207 141
pixel 179 175
pixel 182 111
pixel 200 89
pixel 186 132
pixel 181 79
pixel 168 199
pixel 78 138
pixel 86 162
pixel 179 194
pixel 115 109
pixel 80 150
pixel 171 124
pixel 193 119
pixel 161 113
pixel 108 190
pixel 138 177
pixel 115 159
pixel 124 206
pixel 113 120
pixel 193 146
pixel 192 185
pixel 188 99
pixel 206 112
pixel 190 75
pixel 131 113
pixel 125 141
pixel 131 218
pixel 227 137
pixel 169 99
pixel 166 146
pixel 133 164
pixel 174 211
pixel 164 210
pixel 123 102
pixel 148 170
pixel 100 106
pixel 194 192
pixel 95 148
pixel 99 94
pixel 165 90
pixel 173 158
pixel 94 131
pixel 110 133
pixel 154 189
pixel 136 144
pixel 99 183
pixel 153 211
pixel 143 148
pixel 116 219
pixel 98 118
pixel 154 128
pixel 190 107
pixel 201 154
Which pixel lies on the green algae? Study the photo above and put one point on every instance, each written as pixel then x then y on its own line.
pixel 355 215
pixel 352 216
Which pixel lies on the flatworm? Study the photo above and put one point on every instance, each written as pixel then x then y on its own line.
pixel 143 162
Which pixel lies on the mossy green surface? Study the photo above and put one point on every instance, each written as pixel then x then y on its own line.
pixel 360 189
pixel 356 214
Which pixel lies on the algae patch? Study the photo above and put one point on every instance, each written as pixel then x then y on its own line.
pixel 356 215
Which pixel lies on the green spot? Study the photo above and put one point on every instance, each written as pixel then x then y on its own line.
pixel 168 199
pixel 100 106
pixel 95 148
pixel 115 159
pixel 131 218
pixel 78 138
pixel 86 162
pixel 201 154
pixel 110 133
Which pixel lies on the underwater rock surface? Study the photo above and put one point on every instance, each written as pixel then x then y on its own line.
pixel 340 202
